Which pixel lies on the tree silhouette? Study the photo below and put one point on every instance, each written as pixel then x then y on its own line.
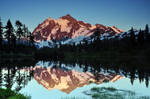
pixel 147 35
pixel 31 38
pixel 19 80
pixel 1 34
pixel 26 32
pixel 147 80
pixel 9 32
pixel 97 39
pixel 97 34
pixel 8 79
pixel 141 37
pixel 19 31
pixel 13 40
pixel 132 36
pixel 1 77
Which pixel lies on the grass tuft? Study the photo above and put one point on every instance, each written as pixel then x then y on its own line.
pixel 9 94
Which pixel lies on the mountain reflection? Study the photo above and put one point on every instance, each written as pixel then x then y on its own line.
pixel 68 80
pixel 63 76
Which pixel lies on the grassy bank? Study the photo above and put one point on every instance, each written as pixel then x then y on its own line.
pixel 9 94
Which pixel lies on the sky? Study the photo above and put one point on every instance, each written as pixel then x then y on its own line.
pixel 123 14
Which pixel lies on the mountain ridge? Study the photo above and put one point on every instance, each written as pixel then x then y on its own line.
pixel 68 27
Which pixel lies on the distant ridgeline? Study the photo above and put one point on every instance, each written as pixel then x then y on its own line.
pixel 99 41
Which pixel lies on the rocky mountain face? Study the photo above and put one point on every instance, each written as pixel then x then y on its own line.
pixel 68 80
pixel 68 27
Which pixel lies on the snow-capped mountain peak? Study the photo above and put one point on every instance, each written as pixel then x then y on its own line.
pixel 68 27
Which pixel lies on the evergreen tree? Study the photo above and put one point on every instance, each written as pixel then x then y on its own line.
pixel 85 45
pixel 147 35
pixel 1 77
pixel 147 29
pixel 132 36
pixel 19 31
pixel 80 47
pixel 141 37
pixel 26 32
pixel 1 34
pixel 31 38
pixel 97 34
pixel 97 41
pixel 8 79
pixel 13 41
pixel 9 32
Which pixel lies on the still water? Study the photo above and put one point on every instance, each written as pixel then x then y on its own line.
pixel 58 80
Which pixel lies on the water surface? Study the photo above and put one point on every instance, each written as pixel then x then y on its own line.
pixel 58 80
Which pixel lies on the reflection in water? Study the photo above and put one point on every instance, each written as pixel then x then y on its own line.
pixel 68 80
pixel 65 77
pixel 15 76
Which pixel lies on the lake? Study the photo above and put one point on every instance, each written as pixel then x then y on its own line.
pixel 67 80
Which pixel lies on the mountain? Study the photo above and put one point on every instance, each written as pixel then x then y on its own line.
pixel 68 80
pixel 68 27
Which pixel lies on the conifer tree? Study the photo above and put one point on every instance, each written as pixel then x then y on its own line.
pixel 147 35
pixel 9 32
pixel 31 38
pixel 132 36
pixel 19 31
pixel 13 41
pixel 147 29
pixel 97 34
pixel 26 32
pixel 141 37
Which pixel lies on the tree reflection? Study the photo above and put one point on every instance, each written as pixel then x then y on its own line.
pixel 14 73
pixel 132 71
pixel 20 73
pixel 1 77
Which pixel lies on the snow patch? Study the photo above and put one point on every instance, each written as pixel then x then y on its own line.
pixel 93 27
pixel 64 25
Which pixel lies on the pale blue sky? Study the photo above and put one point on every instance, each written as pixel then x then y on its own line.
pixel 121 13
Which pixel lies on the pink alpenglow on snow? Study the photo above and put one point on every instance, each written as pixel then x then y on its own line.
pixel 68 27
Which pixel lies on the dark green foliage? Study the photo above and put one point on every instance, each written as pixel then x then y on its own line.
pixel 141 37
pixel 19 31
pixel 49 53
pixel 146 29
pixel 14 45
pixel 131 46
pixel 31 38
pixel 97 34
pixel 13 40
pixel 9 32
pixel 147 34
pixel 26 33
pixel 132 37
pixel 9 94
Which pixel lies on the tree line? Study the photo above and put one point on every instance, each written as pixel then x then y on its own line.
pixel 11 38
pixel 133 41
